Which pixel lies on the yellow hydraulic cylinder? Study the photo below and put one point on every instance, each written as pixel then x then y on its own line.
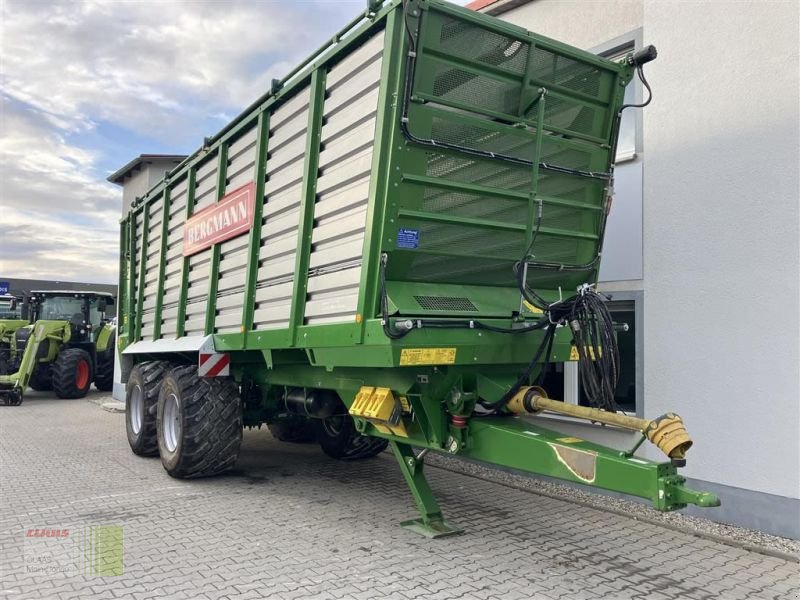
pixel 667 432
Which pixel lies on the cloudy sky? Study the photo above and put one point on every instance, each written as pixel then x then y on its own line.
pixel 86 86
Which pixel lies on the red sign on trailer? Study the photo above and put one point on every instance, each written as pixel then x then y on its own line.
pixel 228 218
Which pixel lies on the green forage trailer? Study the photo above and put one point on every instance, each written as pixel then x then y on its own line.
pixel 393 246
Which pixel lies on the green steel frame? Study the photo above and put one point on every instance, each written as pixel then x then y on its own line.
pixel 346 356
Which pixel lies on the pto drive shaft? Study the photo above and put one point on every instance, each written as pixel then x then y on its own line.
pixel 667 431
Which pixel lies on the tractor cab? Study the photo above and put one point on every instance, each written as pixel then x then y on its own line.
pixel 10 307
pixel 85 311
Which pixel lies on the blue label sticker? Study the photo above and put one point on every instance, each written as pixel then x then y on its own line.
pixel 407 238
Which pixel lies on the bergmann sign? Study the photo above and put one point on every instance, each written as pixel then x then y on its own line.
pixel 228 218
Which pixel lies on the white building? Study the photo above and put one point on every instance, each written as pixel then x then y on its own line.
pixel 142 173
pixel 702 251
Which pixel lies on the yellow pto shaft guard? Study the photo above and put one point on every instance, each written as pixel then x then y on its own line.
pixel 667 432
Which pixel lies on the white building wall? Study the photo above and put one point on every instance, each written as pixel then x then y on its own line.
pixel 580 23
pixel 720 155
pixel 721 231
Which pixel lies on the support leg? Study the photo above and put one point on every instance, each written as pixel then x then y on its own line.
pixel 431 524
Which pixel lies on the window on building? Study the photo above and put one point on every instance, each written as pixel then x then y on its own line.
pixel 623 245
pixel 626 147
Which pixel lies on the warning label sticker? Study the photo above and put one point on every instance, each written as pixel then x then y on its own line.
pixel 534 309
pixel 573 353
pixel 569 440
pixel 407 238
pixel 427 356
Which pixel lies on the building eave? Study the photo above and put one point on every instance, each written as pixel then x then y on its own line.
pixel 495 7
pixel 119 176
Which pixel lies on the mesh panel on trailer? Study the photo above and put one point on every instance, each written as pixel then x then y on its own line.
pixel 445 303
pixel 464 87
pixel 552 68
pixel 461 38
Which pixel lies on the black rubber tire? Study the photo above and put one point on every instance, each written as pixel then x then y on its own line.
pixel 147 376
pixel 296 431
pixel 210 414
pixel 104 373
pixel 5 361
pixel 338 438
pixel 104 378
pixel 42 378
pixel 65 373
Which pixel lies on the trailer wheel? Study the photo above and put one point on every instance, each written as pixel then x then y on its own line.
pixel 42 378
pixel 339 439
pixel 199 423
pixel 72 373
pixel 141 397
pixel 297 431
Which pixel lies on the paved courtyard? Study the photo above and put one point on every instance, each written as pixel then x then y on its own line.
pixel 291 523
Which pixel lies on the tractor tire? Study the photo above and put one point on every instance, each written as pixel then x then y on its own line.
pixel 42 378
pixel 199 423
pixel 72 373
pixel 141 398
pixel 104 371
pixel 296 431
pixel 338 438
pixel 5 361
pixel 104 378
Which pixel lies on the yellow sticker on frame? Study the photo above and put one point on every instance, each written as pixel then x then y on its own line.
pixel 427 356
pixel 569 440
pixel 573 353
pixel 534 309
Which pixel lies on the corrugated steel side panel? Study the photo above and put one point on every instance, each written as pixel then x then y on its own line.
pixel 281 214
pixel 233 253
pixel 174 260
pixel 343 180
pixel 350 114
pixel 152 263
pixel 205 194
pixel 136 260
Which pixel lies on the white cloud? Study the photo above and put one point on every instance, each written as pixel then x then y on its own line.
pixel 58 221
pixel 171 71
pixel 41 171
pixel 38 246
pixel 154 67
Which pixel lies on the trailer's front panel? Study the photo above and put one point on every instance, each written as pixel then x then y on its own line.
pixel 510 134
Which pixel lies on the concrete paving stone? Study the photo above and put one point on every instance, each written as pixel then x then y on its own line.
pixel 791 585
pixel 291 523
